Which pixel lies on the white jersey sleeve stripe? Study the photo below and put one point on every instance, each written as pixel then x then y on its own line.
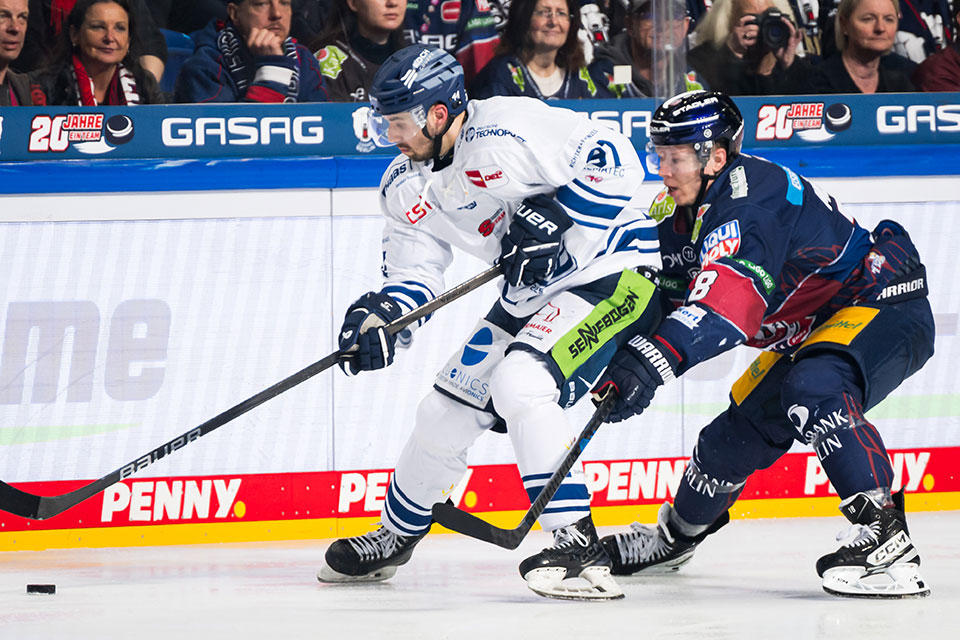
pixel 599 194
pixel 568 198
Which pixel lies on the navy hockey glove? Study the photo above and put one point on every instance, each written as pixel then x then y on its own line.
pixel 530 251
pixel 635 371
pixel 364 342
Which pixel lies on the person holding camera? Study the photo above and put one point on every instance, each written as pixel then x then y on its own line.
pixel 749 47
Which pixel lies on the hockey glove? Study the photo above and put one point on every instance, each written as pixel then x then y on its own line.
pixel 635 371
pixel 364 342
pixel 530 251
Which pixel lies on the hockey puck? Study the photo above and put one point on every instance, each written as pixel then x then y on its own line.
pixel 46 589
pixel 838 117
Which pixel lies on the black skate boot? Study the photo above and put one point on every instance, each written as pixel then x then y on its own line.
pixel 880 561
pixel 576 553
pixel 659 549
pixel 372 557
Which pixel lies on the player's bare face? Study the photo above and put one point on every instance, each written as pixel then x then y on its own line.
pixel 404 132
pixel 680 170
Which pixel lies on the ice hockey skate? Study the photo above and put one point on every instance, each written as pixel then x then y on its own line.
pixel 879 561
pixel 575 568
pixel 652 550
pixel 372 557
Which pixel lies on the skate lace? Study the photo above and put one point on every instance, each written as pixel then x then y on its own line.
pixel 642 544
pixel 565 537
pixel 375 544
pixel 859 535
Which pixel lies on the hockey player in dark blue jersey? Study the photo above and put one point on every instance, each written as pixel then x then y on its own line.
pixel 760 256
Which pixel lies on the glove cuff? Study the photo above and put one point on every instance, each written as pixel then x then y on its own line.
pixel 662 362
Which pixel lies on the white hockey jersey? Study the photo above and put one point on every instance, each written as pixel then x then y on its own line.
pixel 510 148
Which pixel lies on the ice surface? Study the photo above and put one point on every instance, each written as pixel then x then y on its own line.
pixel 753 579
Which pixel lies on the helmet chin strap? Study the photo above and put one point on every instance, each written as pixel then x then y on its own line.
pixel 437 140
pixel 706 177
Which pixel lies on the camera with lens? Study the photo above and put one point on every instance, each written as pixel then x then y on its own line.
pixel 774 32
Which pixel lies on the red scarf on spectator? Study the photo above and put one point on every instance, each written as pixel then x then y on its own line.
pixel 59 10
pixel 122 89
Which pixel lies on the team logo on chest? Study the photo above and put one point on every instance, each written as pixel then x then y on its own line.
pixel 722 241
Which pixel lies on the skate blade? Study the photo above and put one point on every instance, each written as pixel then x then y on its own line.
pixel 326 574
pixel 593 583
pixel 900 580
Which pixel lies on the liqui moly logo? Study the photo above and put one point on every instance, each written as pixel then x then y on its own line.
pixel 722 241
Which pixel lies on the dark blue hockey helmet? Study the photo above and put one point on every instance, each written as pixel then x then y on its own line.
pixel 699 118
pixel 414 79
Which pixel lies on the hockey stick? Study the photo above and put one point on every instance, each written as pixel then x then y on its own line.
pixel 468 524
pixel 27 505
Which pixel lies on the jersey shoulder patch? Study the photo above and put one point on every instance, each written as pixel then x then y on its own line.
pixel 663 206
pixel 398 171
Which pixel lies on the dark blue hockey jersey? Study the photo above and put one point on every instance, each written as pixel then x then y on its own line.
pixel 766 259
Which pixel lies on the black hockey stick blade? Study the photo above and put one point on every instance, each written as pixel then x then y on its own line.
pixel 468 524
pixel 34 507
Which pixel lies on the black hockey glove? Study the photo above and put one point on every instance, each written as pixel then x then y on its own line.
pixel 530 251
pixel 635 371
pixel 364 342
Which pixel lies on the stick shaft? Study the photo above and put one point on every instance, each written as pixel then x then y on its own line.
pixel 468 524
pixel 34 507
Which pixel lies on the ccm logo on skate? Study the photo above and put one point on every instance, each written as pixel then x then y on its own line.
pixel 890 549
pixel 150 501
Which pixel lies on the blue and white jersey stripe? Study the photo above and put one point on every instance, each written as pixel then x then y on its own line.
pixel 572 496
pixel 405 514
pixel 588 206
pixel 410 295
pixel 638 235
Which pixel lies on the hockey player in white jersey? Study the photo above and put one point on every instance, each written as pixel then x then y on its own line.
pixel 550 196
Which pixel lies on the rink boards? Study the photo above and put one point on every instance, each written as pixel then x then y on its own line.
pixel 164 263
pixel 120 334
pixel 310 505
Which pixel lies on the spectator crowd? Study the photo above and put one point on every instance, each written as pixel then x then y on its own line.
pixel 114 52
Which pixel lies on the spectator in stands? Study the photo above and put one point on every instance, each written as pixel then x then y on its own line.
pixel 47 23
pixel 540 55
pixel 464 28
pixel 625 66
pixel 97 61
pixel 359 37
pixel 941 71
pixel 14 87
pixel 731 57
pixel 251 58
pixel 864 31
